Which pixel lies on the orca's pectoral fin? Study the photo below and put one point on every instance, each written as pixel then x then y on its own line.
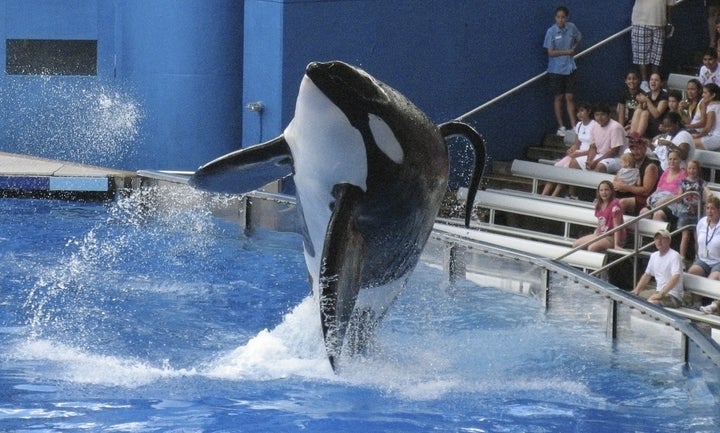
pixel 341 270
pixel 246 169
pixel 454 128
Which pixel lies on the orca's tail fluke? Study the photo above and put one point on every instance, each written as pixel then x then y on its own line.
pixel 455 128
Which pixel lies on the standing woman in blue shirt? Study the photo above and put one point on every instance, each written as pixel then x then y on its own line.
pixel 561 40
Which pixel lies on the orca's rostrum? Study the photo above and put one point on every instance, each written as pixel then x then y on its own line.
pixel 370 170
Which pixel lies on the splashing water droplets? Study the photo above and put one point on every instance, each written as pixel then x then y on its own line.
pixel 72 119
pixel 72 298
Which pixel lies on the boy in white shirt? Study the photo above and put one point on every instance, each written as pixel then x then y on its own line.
pixel 709 71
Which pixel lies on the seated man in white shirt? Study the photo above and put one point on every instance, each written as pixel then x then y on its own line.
pixel 666 267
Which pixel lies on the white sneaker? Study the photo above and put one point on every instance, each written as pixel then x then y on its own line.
pixel 644 86
pixel 561 131
pixel 709 309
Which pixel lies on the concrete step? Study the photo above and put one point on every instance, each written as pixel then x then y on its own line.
pixel 553 140
pixel 536 153
pixel 30 176
pixel 552 147
pixel 500 177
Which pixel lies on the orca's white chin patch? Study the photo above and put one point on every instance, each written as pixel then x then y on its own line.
pixel 327 150
pixel 324 145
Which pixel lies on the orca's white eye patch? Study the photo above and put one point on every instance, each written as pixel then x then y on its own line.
pixel 385 139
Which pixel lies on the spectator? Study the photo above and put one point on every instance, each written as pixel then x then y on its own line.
pixel 685 212
pixel 713 17
pixel 561 41
pixel 609 216
pixel 691 110
pixel 607 142
pixel 709 71
pixel 652 106
pixel 634 197
pixel 647 35
pixel 627 102
pixel 668 186
pixel 627 173
pixel 707 259
pixel 665 266
pixel 709 136
pixel 577 153
pixel 674 137
pixel 674 98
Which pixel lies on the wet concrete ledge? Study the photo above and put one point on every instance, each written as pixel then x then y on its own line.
pixel 30 176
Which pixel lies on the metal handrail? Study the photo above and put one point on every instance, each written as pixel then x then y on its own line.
pixel 624 225
pixel 637 248
pixel 539 76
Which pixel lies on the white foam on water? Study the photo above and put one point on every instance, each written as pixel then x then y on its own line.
pixel 400 365
pixel 78 366
pixel 20 413
pixel 293 348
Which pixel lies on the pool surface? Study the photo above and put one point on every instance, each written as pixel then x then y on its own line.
pixel 132 317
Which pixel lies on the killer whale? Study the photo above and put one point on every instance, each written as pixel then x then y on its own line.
pixel 370 171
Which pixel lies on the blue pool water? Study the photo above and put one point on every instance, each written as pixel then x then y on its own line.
pixel 134 317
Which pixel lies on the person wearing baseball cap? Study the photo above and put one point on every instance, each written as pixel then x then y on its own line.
pixel 666 267
pixel 634 138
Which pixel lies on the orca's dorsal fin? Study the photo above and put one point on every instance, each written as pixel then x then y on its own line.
pixel 453 128
pixel 246 169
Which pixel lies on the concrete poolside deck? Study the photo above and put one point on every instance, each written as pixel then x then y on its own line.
pixel 25 175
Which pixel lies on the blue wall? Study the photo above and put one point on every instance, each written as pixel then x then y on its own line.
pixel 184 57
pixel 448 59
pixel 167 94
pixel 175 76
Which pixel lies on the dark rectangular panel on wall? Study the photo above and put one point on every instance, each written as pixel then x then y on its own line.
pixel 51 57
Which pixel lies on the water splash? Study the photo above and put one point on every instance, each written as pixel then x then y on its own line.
pixel 88 286
pixel 74 119
pixel 294 348
pixel 75 365
pixel 105 311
